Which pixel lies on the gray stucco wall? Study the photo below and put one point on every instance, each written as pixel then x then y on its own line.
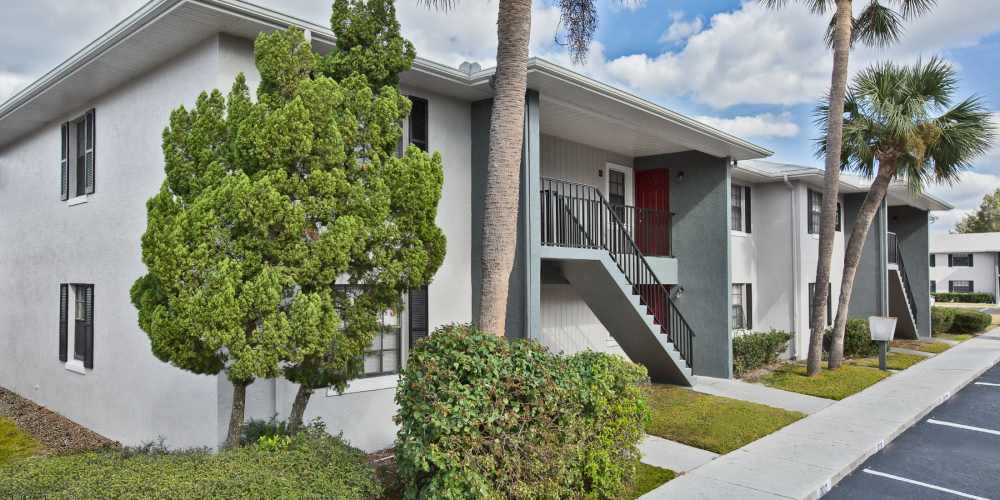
pixel 516 300
pixel 912 227
pixel 701 245
pixel 868 297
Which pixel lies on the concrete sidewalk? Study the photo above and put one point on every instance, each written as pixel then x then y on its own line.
pixel 672 455
pixel 805 459
pixel 759 393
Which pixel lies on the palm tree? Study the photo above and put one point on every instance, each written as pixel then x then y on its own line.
pixel 891 132
pixel 579 19
pixel 879 24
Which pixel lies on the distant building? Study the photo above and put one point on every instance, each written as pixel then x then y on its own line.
pixel 965 263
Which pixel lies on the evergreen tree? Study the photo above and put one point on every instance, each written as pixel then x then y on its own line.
pixel 268 203
pixel 986 219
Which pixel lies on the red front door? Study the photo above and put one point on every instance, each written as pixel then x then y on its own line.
pixel 652 202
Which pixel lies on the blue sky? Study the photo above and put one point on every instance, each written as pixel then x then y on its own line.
pixel 731 63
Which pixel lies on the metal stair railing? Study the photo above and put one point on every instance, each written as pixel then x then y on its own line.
pixel 578 216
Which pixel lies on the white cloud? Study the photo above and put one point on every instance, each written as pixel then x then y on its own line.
pixel 764 125
pixel 11 83
pixel 680 29
pixel 965 195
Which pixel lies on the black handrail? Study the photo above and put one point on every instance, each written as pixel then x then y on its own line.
pixel 578 216
pixel 650 228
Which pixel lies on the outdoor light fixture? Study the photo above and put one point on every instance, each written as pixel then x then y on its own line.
pixel 882 329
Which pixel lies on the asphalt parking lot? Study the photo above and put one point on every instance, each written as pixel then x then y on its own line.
pixel 953 452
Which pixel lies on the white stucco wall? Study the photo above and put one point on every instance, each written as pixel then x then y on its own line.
pixel 129 396
pixel 983 272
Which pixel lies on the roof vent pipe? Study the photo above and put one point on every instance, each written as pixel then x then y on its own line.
pixel 469 67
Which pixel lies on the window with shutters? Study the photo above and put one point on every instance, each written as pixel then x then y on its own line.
pixel 741 306
pixel 739 208
pixel 814 206
pixel 961 286
pixel 418 123
pixel 960 260
pixel 76 326
pixel 78 157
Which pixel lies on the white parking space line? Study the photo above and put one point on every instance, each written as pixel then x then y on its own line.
pixel 963 426
pixel 991 384
pixel 925 485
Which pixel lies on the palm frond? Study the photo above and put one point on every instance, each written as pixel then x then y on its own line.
pixel 579 19
pixel 878 25
pixel 815 6
pixel 914 8
pixel 830 28
pixel 444 5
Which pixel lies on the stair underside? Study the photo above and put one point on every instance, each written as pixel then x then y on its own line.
pixel 899 306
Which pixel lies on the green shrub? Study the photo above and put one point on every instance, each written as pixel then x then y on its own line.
pixel 758 349
pixel 481 417
pixel 966 297
pixel 254 430
pixel 314 464
pixel 969 321
pixel 941 319
pixel 858 341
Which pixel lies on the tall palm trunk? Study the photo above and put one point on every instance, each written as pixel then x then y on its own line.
pixel 852 256
pixel 237 414
pixel 828 217
pixel 298 408
pixel 504 164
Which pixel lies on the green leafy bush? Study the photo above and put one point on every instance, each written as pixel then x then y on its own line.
pixel 858 341
pixel 966 297
pixel 481 417
pixel 969 321
pixel 942 318
pixel 758 349
pixel 314 464
pixel 254 430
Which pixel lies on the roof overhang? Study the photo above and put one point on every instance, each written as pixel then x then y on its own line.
pixel 573 105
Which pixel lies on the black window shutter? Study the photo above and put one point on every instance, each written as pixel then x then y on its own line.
pixel 972 286
pixel 418 314
pixel 88 353
pixel 809 211
pixel 91 123
pixel 746 209
pixel 838 216
pixel 951 285
pixel 932 260
pixel 418 123
pixel 970 260
pixel 64 164
pixel 949 260
pixel 749 301
pixel 63 322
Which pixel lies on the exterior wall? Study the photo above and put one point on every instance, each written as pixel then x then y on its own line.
pixel 575 162
pixel 774 256
pixel 983 272
pixel 912 228
pixel 129 396
pixel 809 256
pixel 700 200
pixel 870 294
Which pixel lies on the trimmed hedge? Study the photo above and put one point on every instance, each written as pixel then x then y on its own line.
pixel 942 318
pixel 858 341
pixel 481 417
pixel 758 349
pixel 966 297
pixel 311 464
pixel 968 321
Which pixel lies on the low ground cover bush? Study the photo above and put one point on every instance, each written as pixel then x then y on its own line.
pixel 830 384
pixel 15 443
pixel 969 321
pixel 858 341
pixel 964 297
pixel 942 318
pixel 481 417
pixel 712 423
pixel 311 464
pixel 758 349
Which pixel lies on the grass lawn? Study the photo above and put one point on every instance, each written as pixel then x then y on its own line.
pixel 15 443
pixel 894 361
pixel 709 422
pixel 957 337
pixel 837 384
pixel 647 478
pixel 922 345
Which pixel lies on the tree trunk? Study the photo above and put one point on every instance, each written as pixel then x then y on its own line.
pixel 237 414
pixel 504 164
pixel 852 256
pixel 828 219
pixel 298 409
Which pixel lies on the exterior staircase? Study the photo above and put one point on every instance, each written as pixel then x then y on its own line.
pixel 902 304
pixel 583 235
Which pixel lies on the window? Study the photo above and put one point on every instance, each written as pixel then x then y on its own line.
pixel 829 303
pixel 961 286
pixel 933 286
pixel 78 152
pixel 383 356
pixel 740 208
pixel 814 206
pixel 960 260
pixel 616 192
pixel 82 324
pixel 933 261
pixel 742 306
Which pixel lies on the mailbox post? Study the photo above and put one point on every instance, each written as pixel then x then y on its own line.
pixel 882 330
